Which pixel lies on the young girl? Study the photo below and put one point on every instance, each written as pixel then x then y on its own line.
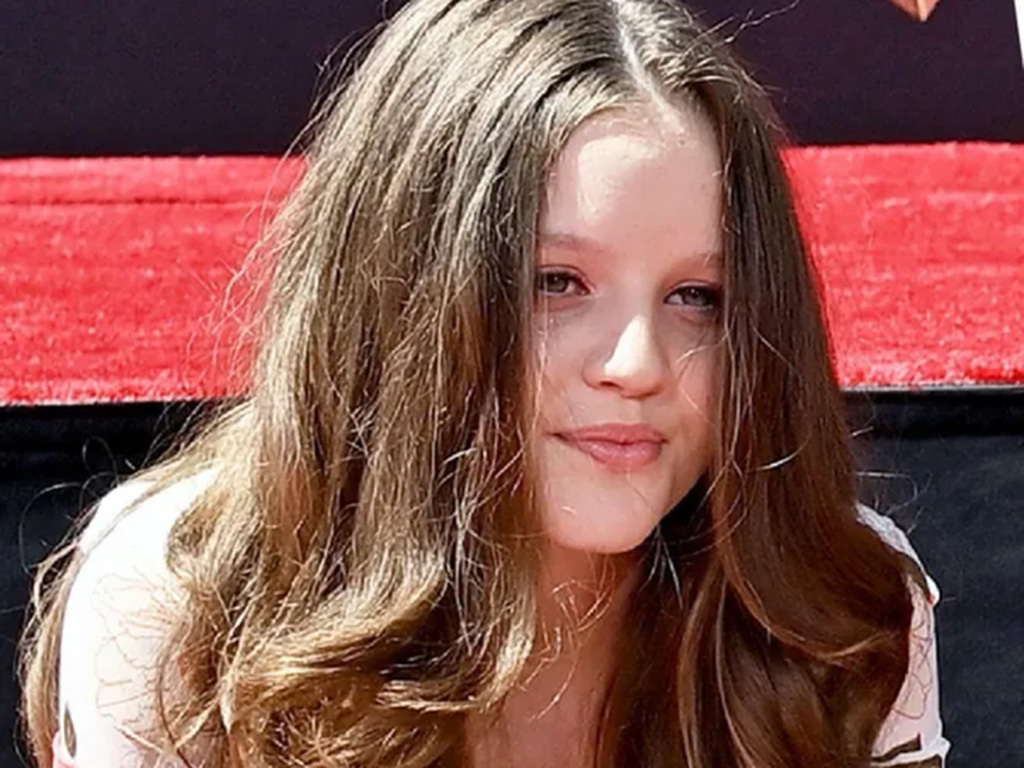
pixel 543 462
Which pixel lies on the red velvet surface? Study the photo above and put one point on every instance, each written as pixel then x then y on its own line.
pixel 114 272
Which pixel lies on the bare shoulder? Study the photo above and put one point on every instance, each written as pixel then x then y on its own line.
pixel 116 621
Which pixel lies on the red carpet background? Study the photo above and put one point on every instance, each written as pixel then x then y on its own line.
pixel 115 272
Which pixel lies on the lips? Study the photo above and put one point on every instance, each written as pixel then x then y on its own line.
pixel 619 447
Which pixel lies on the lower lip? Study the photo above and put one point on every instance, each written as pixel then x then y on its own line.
pixel 617 456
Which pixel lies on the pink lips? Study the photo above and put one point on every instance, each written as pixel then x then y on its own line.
pixel 620 447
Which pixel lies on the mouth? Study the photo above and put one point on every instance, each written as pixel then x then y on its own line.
pixel 621 454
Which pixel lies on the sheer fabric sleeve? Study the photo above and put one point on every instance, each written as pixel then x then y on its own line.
pixel 912 734
pixel 114 624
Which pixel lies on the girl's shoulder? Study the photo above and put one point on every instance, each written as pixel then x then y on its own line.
pixel 132 520
pixel 116 620
pixel 895 537
pixel 912 734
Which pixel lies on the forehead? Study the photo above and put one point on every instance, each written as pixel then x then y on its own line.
pixel 634 179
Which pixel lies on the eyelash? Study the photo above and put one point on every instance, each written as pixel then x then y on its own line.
pixel 711 293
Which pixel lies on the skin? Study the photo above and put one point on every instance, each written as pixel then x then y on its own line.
pixel 629 288
pixel 628 296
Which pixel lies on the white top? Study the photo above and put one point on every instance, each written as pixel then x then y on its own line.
pixel 113 627
pixel 111 634
pixel 913 731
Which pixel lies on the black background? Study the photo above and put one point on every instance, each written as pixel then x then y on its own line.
pixel 191 77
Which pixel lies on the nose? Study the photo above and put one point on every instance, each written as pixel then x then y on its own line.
pixel 635 365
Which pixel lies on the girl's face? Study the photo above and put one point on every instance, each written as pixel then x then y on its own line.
pixel 628 295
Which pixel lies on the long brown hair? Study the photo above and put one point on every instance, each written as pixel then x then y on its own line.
pixel 359 572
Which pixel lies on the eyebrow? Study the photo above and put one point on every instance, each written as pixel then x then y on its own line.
pixel 586 245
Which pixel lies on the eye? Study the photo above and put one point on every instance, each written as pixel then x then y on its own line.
pixel 705 298
pixel 558 282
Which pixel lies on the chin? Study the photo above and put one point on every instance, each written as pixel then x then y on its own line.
pixel 606 533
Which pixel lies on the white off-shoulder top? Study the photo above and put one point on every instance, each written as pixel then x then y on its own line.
pixel 111 634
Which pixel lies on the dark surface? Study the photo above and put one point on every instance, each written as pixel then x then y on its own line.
pixel 55 462
pixel 952 469
pixel 81 77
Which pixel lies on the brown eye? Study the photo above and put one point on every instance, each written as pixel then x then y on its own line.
pixel 558 283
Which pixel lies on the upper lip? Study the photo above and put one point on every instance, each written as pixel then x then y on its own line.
pixel 616 433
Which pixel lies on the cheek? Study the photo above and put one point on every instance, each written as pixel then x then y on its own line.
pixel 558 334
pixel 695 370
pixel 697 383
pixel 692 349
pixel 697 404
pixel 558 350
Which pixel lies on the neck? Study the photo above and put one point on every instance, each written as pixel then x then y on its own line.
pixel 584 592
pixel 550 718
pixel 582 603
